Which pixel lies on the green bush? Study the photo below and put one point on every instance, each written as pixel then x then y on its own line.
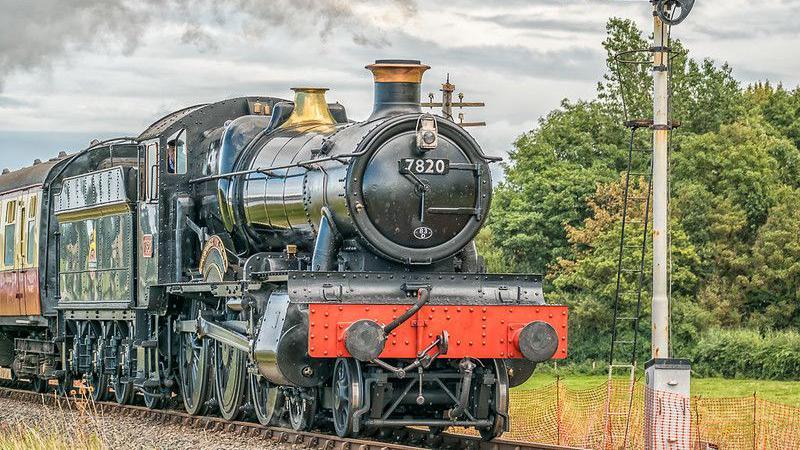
pixel 565 369
pixel 742 353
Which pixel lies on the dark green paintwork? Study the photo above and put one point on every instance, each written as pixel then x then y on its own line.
pixel 107 276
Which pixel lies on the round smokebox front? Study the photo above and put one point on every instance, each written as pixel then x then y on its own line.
pixel 421 206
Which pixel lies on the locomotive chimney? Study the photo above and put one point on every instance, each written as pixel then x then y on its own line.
pixel 310 108
pixel 397 86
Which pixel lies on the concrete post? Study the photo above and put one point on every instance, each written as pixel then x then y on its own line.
pixel 660 343
pixel 667 397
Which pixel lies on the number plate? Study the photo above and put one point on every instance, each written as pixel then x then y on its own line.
pixel 431 166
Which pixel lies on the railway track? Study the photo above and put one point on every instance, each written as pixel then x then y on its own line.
pixel 404 439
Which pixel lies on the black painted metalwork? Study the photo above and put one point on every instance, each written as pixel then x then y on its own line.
pixel 185 259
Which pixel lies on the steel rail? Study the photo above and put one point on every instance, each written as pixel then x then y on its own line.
pixel 411 438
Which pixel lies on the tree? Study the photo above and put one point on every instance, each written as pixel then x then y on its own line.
pixel 780 108
pixel 774 290
pixel 587 282
pixel 554 170
pixel 734 214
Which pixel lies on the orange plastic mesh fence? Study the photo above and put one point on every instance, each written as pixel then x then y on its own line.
pixel 668 420
pixel 597 418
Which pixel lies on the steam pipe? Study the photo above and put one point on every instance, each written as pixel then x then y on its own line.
pixel 466 367
pixel 423 297
pixel 469 258
pixel 326 245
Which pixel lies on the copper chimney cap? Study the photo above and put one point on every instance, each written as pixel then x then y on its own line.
pixel 397 71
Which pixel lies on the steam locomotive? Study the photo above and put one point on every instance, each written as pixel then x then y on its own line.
pixel 273 258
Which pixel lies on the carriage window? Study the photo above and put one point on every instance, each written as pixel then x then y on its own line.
pixel 31 235
pixel 23 236
pixel 10 233
pixel 11 211
pixel 152 171
pixel 177 155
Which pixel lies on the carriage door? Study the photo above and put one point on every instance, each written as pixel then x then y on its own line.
pixel 148 219
pixel 28 277
pixel 14 255
pixel 10 305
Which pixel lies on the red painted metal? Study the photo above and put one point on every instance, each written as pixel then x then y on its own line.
pixel 19 293
pixel 476 331
pixel 10 303
pixel 30 291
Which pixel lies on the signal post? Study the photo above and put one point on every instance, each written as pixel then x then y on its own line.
pixel 667 379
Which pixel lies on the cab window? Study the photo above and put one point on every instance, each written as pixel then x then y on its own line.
pixel 10 233
pixel 151 165
pixel 176 156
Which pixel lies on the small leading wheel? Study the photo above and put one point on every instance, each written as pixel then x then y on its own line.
pixel 230 374
pixel 152 400
pixel 123 390
pixel 499 403
pixel 65 387
pixel 302 408
pixel 347 395
pixel 268 401
pixel 193 366
pixel 96 379
pixel 39 385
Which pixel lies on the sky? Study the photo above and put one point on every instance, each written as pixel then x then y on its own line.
pixel 72 71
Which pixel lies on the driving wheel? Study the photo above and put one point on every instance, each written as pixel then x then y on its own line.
pixel 268 401
pixel 230 373
pixel 96 379
pixel 193 367
pixel 123 390
pixel 302 408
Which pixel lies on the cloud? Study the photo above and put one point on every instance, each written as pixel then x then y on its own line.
pixel 34 35
pixel 571 62
pixel 196 35
pixel 65 67
pixel 13 102
pixel 744 19
pixel 538 23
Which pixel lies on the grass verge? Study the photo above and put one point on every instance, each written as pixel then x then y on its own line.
pixel 786 392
